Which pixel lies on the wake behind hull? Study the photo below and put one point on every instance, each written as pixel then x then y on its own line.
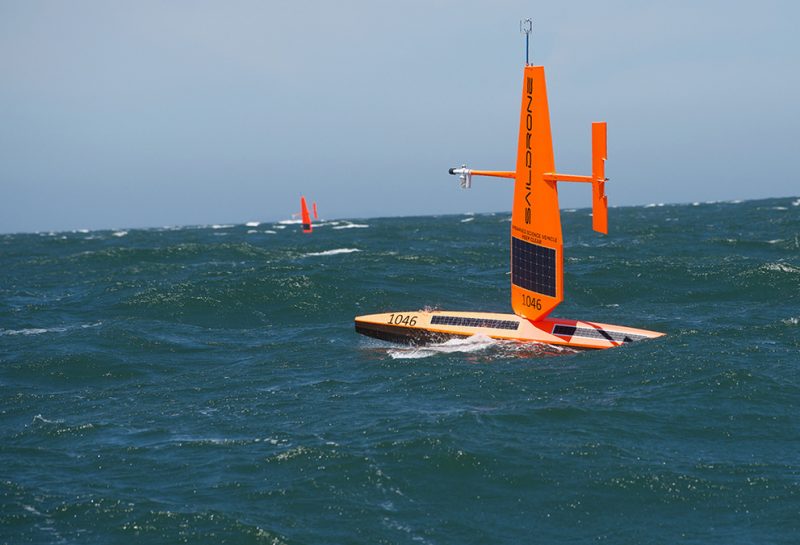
pixel 422 327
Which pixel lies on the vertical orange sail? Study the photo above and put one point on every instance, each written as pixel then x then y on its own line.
pixel 305 217
pixel 314 207
pixel 537 263
pixel 599 199
pixel 537 249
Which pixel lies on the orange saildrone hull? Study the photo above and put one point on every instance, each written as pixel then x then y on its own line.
pixel 421 327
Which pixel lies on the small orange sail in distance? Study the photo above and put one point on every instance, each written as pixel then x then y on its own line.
pixel 314 207
pixel 305 218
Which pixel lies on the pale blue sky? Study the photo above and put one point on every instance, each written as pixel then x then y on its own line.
pixel 145 113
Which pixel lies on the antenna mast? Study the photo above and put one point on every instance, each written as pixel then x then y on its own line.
pixel 525 27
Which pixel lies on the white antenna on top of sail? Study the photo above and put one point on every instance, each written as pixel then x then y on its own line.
pixel 526 27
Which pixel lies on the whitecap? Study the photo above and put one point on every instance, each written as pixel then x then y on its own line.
pixel 465 220
pixel 29 331
pixel 40 418
pixel 42 330
pixel 333 252
pixel 779 208
pixel 218 226
pixel 290 222
pixel 796 203
pixel 270 232
pixel 252 224
pixel 474 343
pixel 119 233
pixel 251 231
pixel 292 453
pixel 351 226
pixel 781 267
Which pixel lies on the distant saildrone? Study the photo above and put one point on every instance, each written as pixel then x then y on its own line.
pixel 305 216
pixel 537 258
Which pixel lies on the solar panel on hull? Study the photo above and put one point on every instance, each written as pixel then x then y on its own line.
pixel 533 267
pixel 474 322
pixel 587 333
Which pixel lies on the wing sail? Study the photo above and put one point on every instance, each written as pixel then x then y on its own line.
pixel 306 219
pixel 537 265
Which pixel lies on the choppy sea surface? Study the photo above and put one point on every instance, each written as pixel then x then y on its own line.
pixel 205 385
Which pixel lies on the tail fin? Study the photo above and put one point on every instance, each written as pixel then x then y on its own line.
pixel 599 199
pixel 305 217
pixel 537 265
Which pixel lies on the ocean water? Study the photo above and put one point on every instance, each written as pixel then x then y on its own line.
pixel 205 385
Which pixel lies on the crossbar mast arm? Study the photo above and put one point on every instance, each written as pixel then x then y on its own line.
pixel 465 174
pixel 495 173
pixel 556 177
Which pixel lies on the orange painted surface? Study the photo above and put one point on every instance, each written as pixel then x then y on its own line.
pixel 306 219
pixel 314 206
pixel 495 173
pixel 553 331
pixel 599 199
pixel 535 216
pixel 537 261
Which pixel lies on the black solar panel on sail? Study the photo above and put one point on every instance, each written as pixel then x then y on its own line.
pixel 533 267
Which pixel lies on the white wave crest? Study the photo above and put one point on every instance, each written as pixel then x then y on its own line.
pixel 333 252
pixel 119 233
pixel 465 220
pixel 351 226
pixel 31 331
pixel 475 343
pixel 41 330
pixel 252 224
pixel 781 267
pixel 290 222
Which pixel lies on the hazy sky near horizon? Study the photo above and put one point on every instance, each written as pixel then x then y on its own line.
pixel 154 113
